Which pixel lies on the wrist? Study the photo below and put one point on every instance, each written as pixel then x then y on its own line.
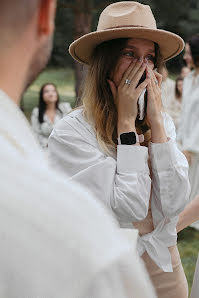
pixel 126 125
pixel 158 134
pixel 157 122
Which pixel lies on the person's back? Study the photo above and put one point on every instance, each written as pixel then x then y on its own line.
pixel 56 241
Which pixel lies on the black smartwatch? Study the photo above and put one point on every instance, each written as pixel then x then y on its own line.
pixel 130 138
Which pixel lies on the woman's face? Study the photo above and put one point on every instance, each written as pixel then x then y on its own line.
pixel 136 48
pixel 188 57
pixel 50 94
pixel 180 86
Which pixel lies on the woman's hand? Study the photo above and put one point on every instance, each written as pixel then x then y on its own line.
pixel 154 103
pixel 154 107
pixel 126 95
pixel 188 155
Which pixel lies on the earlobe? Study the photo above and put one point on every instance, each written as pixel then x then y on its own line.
pixel 46 17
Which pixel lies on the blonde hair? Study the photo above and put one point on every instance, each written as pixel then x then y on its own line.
pixel 97 99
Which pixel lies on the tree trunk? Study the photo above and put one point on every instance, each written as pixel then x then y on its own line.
pixel 82 25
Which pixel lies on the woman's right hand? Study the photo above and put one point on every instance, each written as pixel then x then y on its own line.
pixel 188 155
pixel 126 95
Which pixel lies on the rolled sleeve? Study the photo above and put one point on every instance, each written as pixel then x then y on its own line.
pixel 170 180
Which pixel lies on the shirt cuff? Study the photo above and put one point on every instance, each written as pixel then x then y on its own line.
pixel 132 159
pixel 163 156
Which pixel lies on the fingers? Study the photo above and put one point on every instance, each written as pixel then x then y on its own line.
pixel 154 80
pixel 133 68
pixel 137 76
pixel 158 77
pixel 144 84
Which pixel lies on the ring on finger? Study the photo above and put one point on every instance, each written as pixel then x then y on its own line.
pixel 127 81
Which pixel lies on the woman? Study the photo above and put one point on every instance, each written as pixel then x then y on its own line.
pixel 174 108
pixel 106 144
pixel 48 113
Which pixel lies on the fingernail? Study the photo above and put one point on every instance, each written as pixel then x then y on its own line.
pixel 140 59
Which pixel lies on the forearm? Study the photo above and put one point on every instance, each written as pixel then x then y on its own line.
pixel 189 215
pixel 158 134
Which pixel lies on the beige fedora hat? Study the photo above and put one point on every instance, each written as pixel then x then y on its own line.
pixel 126 19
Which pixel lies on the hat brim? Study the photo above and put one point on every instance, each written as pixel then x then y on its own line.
pixel 170 44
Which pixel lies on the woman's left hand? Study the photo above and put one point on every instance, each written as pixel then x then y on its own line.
pixel 154 103
pixel 154 108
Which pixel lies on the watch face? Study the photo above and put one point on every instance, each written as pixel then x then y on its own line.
pixel 128 138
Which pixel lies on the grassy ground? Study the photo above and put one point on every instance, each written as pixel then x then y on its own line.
pixel 188 242
pixel 188 245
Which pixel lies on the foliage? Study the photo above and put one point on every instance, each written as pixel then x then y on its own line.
pixel 180 17
pixel 63 78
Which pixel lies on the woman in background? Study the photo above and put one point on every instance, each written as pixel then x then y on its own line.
pixel 188 133
pixel 174 108
pixel 49 112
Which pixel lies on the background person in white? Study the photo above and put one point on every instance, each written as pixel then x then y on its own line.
pixel 56 241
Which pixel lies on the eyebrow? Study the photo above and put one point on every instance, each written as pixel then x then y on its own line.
pixel 135 48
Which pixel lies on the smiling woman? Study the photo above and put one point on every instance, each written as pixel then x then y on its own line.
pixel 49 112
pixel 129 163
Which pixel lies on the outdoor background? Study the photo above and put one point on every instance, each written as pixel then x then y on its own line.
pixel 77 17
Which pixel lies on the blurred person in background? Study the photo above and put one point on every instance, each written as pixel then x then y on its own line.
pixel 49 112
pixel 188 133
pixel 56 240
pixel 105 146
pixel 185 70
pixel 174 109
pixel 167 88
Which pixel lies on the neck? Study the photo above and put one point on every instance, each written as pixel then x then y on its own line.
pixel 13 75
pixel 51 106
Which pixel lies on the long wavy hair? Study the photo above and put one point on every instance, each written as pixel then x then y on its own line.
pixel 97 99
pixel 42 103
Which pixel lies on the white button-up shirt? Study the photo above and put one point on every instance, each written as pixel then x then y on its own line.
pixel 122 180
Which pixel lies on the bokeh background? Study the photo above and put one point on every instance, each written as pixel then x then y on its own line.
pixel 77 17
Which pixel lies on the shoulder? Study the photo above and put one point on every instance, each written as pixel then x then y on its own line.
pixel 65 107
pixel 74 119
pixel 74 127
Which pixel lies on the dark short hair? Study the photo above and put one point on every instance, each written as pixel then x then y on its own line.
pixel 194 47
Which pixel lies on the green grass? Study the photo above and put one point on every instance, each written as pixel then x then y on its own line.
pixel 63 78
pixel 188 245
pixel 188 240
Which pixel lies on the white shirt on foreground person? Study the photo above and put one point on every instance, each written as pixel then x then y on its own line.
pixel 56 240
pixel 122 181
